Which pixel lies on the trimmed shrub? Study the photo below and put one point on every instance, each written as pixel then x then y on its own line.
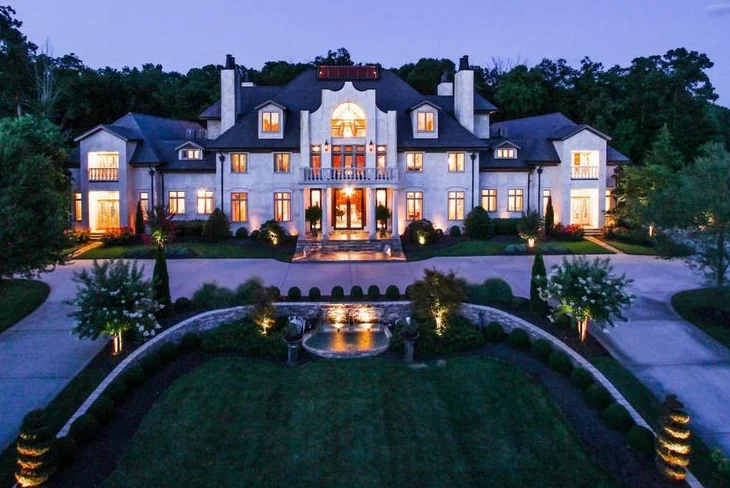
pixel 478 224
pixel 182 305
pixel 455 231
pixel 581 378
pixel 273 292
pixel 161 282
pixel 408 292
pixel 151 363
pixel 439 234
pixel 117 391
pixel 519 339
pixel 189 228
pixel 338 293
pixel 65 450
pixel 243 336
pixel 190 341
pixel 121 236
pixel 280 322
pixel 102 409
pixel 617 417
pixel 641 440
pixel 498 292
pixel 210 296
pixel 314 294
pixel 84 428
pixel 505 227
pixel 139 219
pixel 597 396
pixel 542 349
pixel 356 292
pixel 247 291
pixel 242 233
pixel 420 232
pixel 270 232
pixel 549 216
pixel 217 228
pixel 572 232
pixel 294 294
pixel 392 293
pixel 168 352
pixel 494 332
pixel 256 234
pixel 560 362
pixel 538 306
pixel 134 376
pixel 35 458
pixel 373 293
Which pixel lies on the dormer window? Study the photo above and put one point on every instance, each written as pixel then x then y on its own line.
pixel 425 122
pixel 348 120
pixel 191 153
pixel 270 122
pixel 505 153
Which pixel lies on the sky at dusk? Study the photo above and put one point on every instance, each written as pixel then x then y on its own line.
pixel 180 34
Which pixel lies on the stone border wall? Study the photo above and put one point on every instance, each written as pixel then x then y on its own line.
pixel 478 314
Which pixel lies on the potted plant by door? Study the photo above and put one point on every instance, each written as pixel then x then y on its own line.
pixel 313 215
pixel 293 333
pixel 409 333
pixel 382 214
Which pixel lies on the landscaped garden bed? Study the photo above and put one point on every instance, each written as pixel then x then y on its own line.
pixel 18 298
pixel 708 309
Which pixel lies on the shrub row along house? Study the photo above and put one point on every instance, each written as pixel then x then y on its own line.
pixel 347 139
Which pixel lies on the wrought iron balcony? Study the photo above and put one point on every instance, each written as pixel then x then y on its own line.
pixel 584 172
pixel 103 174
pixel 361 175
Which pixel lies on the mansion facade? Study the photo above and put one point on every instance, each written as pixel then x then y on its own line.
pixel 346 139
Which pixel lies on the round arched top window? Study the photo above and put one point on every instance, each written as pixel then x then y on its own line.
pixel 348 120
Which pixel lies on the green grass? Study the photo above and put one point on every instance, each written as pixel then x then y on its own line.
pixel 498 247
pixel 18 298
pixel 201 250
pixel 240 422
pixel 630 248
pixel 648 407
pixel 699 308
pixel 582 247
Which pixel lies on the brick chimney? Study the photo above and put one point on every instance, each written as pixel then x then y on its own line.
pixel 230 93
pixel 464 94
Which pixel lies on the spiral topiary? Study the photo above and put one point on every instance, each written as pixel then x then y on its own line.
pixel 35 456
pixel 672 443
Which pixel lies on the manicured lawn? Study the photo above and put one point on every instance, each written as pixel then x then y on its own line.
pixel 18 298
pixel 499 247
pixel 201 250
pixel 240 422
pixel 700 308
pixel 629 248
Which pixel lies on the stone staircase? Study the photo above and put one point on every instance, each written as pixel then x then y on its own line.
pixel 593 232
pixel 319 250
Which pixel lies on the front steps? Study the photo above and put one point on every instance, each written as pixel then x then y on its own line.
pixel 349 250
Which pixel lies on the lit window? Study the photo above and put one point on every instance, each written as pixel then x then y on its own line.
pixel 546 197
pixel 144 202
pixel 239 207
pixel 609 200
pixel 176 202
pixel 515 199
pixel 315 159
pixel 191 154
pixel 103 160
pixel 381 160
pixel 282 206
pixel 348 120
pixel 425 121
pixel 270 122
pixel 489 199
pixel 315 200
pixel 282 162
pixel 78 207
pixel 414 205
pixel 456 162
pixel 582 158
pixel 414 161
pixel 205 202
pixel 456 205
pixel 239 163
pixel 505 153
pixel 381 197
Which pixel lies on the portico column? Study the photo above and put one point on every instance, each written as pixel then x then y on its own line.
pixel 371 213
pixel 394 213
pixel 302 220
pixel 325 211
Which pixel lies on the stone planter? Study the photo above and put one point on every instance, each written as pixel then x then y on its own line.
pixel 408 343
pixel 292 350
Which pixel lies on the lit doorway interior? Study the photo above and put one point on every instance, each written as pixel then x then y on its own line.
pixel 103 210
pixel 348 208
pixel 580 211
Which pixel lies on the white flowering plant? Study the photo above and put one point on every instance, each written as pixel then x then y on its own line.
pixel 586 290
pixel 112 298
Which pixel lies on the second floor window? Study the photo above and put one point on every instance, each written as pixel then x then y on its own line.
pixel 282 162
pixel 505 153
pixel 414 205
pixel 489 199
pixel 270 122
pixel 176 202
pixel 239 163
pixel 425 121
pixel 315 158
pixel 414 161
pixel 515 199
pixel 205 202
pixel 456 162
pixel 282 206
pixel 381 157
pixel 191 153
pixel 239 207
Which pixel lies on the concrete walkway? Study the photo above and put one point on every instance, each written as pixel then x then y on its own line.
pixel 40 355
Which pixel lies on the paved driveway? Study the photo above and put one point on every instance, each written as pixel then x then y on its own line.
pixel 40 355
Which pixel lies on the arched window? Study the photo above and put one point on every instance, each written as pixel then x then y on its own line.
pixel 348 120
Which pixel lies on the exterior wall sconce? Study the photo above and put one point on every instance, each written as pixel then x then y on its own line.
pixel 531 243
pixel 371 146
pixel 326 146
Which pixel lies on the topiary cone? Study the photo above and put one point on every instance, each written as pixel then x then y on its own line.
pixel 35 460
pixel 672 443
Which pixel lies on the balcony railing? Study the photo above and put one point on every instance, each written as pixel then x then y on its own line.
pixel 362 175
pixel 585 172
pixel 103 174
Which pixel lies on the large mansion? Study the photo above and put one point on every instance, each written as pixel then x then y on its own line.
pixel 346 139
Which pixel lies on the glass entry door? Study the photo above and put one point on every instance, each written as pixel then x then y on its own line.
pixel 107 214
pixel 348 208
pixel 580 211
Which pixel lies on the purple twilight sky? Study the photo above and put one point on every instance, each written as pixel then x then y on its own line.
pixel 180 34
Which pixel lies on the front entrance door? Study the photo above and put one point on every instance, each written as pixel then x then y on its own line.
pixel 580 211
pixel 348 208
pixel 107 214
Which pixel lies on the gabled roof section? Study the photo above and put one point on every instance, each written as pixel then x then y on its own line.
pixel 567 132
pixel 446 102
pixel 124 133
pixel 507 143
pixel 195 144
pixel 269 102
pixel 425 102
pixel 615 157
pixel 211 113
pixel 481 104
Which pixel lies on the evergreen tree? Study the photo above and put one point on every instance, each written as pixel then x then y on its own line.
pixel 537 305
pixel 35 458
pixel 663 152
pixel 216 228
pixel 549 216
pixel 139 220
pixel 161 281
